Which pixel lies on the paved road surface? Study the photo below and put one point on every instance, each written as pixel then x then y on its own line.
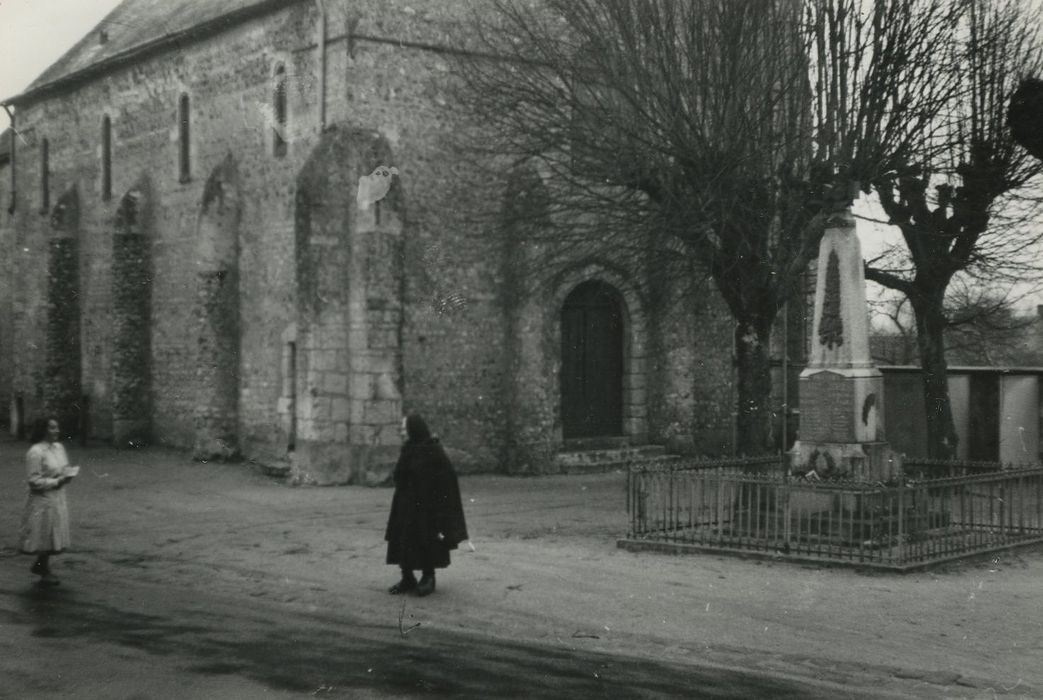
pixel 98 638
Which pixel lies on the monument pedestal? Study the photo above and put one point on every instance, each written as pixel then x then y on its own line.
pixel 862 461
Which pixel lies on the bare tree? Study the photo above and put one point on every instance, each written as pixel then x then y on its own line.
pixel 892 338
pixel 959 203
pixel 984 328
pixel 1025 115
pixel 715 136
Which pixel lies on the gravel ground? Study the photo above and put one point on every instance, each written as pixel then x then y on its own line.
pixel 547 568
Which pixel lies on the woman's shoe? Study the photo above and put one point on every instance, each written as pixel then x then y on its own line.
pixel 38 569
pixel 403 586
pixel 426 585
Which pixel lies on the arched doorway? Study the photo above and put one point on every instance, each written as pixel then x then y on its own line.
pixel 592 362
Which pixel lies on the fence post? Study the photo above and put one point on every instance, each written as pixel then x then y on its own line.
pixel 901 522
pixel 637 488
pixel 1003 510
pixel 1039 502
pixel 630 510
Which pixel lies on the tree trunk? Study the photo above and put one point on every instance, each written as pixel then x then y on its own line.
pixel 753 370
pixel 930 328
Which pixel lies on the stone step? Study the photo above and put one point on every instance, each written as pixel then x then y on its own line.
pixel 278 471
pixel 605 460
pixel 574 456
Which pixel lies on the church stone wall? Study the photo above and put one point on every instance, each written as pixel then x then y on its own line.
pixel 448 321
pixel 227 78
pixel 7 286
pixel 691 390
pixel 452 330
pixel 453 338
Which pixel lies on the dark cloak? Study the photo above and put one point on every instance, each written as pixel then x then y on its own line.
pixel 426 502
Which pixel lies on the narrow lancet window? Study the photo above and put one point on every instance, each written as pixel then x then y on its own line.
pixel 184 160
pixel 45 176
pixel 106 158
pixel 279 113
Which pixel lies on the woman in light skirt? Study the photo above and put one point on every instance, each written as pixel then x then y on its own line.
pixel 45 521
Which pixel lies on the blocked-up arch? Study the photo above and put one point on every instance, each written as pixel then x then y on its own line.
pixel 62 367
pixel 132 318
pixel 216 316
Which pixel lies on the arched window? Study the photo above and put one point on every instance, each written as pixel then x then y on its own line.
pixel 106 158
pixel 45 176
pixel 279 112
pixel 184 160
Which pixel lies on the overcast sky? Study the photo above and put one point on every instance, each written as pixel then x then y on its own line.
pixel 35 33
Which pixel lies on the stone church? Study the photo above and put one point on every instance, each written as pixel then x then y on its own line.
pixel 185 261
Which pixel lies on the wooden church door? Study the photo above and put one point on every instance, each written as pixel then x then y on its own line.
pixel 592 362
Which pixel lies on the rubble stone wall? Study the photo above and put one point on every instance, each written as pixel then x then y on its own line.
pixel 424 323
pixel 8 257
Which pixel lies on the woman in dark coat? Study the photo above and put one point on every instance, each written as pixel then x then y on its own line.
pixel 427 517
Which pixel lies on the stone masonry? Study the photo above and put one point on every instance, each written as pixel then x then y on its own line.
pixel 131 323
pixel 230 298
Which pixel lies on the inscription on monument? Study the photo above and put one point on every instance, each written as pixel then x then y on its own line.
pixel 827 410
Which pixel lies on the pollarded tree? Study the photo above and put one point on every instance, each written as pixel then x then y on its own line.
pixel 962 207
pixel 716 133
pixel 984 327
pixel 1025 115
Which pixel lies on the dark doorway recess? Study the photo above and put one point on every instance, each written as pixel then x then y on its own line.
pixel 983 439
pixel 592 362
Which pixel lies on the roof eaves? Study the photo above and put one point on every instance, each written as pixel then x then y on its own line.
pixel 204 29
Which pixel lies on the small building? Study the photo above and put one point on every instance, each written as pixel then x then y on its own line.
pixel 996 412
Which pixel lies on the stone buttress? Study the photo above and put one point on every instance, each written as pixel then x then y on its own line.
pixel 349 269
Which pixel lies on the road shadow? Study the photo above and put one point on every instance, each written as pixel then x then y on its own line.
pixel 313 654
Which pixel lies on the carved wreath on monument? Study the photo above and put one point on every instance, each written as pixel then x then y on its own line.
pixel 831 326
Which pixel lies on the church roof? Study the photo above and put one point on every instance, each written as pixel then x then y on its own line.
pixel 140 26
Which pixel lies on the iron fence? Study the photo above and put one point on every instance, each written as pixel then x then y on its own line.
pixel 901 525
pixel 923 468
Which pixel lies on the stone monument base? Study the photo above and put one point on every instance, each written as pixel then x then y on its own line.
pixel 861 461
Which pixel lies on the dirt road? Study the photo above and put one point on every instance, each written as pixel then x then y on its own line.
pixel 547 576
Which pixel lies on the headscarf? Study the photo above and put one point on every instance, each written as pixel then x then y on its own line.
pixel 417 435
pixel 416 429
